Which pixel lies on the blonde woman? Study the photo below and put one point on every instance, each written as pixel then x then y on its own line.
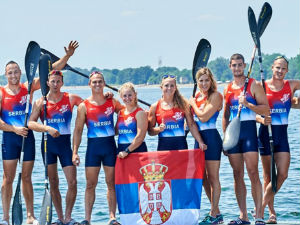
pixel 132 123
pixel 206 106
pixel 169 113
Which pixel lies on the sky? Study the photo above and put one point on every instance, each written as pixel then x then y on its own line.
pixel 118 34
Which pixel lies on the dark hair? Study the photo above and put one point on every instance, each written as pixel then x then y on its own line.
pixel 11 62
pixel 237 56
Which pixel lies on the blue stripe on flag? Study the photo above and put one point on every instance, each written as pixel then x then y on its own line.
pixel 186 193
pixel 128 198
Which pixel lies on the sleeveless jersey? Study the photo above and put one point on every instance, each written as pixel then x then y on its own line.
pixel 127 126
pixel 100 119
pixel 172 118
pixel 211 123
pixel 13 107
pixel 280 103
pixel 231 99
pixel 59 115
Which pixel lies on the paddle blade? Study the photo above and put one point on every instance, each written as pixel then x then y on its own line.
pixel 201 56
pixel 17 212
pixel 46 210
pixel 45 66
pixel 32 58
pixel 253 27
pixel 264 18
pixel 232 134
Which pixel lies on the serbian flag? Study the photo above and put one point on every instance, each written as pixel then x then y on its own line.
pixel 160 187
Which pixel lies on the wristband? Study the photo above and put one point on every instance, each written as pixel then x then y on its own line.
pixel 127 150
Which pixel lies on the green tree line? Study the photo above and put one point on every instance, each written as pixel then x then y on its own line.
pixel 147 75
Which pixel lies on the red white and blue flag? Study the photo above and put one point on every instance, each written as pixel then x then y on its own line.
pixel 160 187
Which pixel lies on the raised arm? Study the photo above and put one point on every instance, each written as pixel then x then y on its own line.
pixel 60 64
pixel 79 124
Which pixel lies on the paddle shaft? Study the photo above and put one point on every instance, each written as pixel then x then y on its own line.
pixel 273 167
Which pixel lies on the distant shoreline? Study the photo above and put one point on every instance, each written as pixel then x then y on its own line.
pixel 137 86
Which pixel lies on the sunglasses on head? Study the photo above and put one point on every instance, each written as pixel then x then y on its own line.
pixel 282 57
pixel 168 76
pixel 56 72
pixel 95 72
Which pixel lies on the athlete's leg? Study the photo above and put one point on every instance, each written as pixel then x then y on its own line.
pixel 111 192
pixel 70 173
pixel 9 172
pixel 212 168
pixel 206 184
pixel 91 174
pixel 28 189
pixel 237 164
pixel 251 160
pixel 282 160
pixel 54 189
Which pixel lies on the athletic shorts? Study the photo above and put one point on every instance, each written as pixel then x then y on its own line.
pixel 141 148
pixel 212 139
pixel 172 143
pixel 280 139
pixel 12 146
pixel 248 138
pixel 59 147
pixel 101 149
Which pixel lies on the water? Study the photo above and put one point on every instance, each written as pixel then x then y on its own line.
pixel 287 201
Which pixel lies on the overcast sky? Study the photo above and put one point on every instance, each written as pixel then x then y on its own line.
pixel 133 33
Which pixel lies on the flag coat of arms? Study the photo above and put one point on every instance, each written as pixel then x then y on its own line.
pixel 160 187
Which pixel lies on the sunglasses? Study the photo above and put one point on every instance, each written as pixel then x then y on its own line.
pixel 168 76
pixel 55 72
pixel 95 72
pixel 282 57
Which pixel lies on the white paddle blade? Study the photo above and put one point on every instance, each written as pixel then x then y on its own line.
pixel 232 134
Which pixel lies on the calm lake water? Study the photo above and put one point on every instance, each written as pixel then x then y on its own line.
pixel 287 201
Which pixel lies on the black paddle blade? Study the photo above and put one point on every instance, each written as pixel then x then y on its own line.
pixel 45 66
pixel 46 210
pixel 253 27
pixel 17 212
pixel 264 18
pixel 32 60
pixel 201 56
pixel 232 134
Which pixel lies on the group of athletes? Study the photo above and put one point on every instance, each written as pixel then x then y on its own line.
pixel 165 118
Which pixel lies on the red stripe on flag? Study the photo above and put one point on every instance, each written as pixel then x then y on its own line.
pixel 177 164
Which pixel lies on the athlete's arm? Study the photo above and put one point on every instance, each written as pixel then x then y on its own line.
pixel 60 64
pixel 142 125
pixel 263 120
pixel 295 85
pixel 22 131
pixel 262 107
pixel 194 129
pixel 75 100
pixel 213 105
pixel 152 130
pixel 118 105
pixel 79 124
pixel 34 125
pixel 226 113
